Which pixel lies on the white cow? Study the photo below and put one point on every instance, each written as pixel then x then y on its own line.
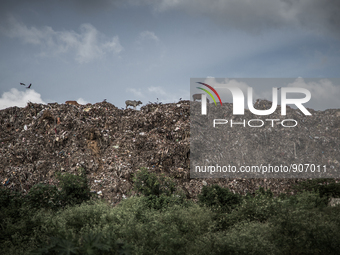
pixel 133 103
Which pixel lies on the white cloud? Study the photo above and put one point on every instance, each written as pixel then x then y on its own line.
pixel 325 94
pixel 159 93
pixel 113 45
pixel 19 98
pixel 87 45
pixel 259 15
pixel 147 35
pixel 135 92
pixel 157 90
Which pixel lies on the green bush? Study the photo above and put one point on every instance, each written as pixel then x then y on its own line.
pixel 88 244
pixel 163 201
pixel 326 187
pixel 10 203
pixel 74 188
pixel 218 198
pixel 158 192
pixel 305 200
pixel 176 230
pixel 307 230
pixel 246 238
pixel 258 225
pixel 264 206
pixel 299 224
pixel 11 212
pixel 18 225
pixel 168 224
pixel 129 228
pixel 43 196
pixel 148 183
pixel 258 208
pixel 261 192
pixel 9 197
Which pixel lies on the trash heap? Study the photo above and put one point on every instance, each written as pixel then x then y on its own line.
pixel 111 144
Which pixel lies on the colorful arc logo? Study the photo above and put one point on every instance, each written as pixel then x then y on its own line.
pixel 209 93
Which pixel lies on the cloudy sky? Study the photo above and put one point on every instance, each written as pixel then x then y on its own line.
pixel 147 49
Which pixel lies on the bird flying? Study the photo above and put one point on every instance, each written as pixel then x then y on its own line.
pixel 23 84
pixel 29 86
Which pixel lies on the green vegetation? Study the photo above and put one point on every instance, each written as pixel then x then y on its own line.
pixel 326 187
pixel 218 198
pixel 65 220
pixel 158 192
pixel 150 184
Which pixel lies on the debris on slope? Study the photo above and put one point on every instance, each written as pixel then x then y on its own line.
pixel 111 144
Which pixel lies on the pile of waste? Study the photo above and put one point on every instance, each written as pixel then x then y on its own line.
pixel 111 144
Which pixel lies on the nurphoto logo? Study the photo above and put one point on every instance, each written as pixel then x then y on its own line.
pixel 238 100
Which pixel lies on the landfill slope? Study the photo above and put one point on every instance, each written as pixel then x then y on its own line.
pixel 111 144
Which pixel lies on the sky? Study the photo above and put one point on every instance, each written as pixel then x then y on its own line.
pixel 148 50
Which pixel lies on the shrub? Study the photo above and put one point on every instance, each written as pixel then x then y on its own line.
pixel 129 227
pixel 251 209
pixel 305 200
pixel 78 229
pixel 300 224
pixel 74 188
pixel 159 191
pixel 10 203
pixel 43 196
pixel 148 183
pixel 218 198
pixel 307 231
pixel 261 192
pixel 163 201
pixel 87 244
pixel 176 230
pixel 18 224
pixel 326 187
pixel 246 238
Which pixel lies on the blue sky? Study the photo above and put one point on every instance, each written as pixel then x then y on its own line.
pixel 147 49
